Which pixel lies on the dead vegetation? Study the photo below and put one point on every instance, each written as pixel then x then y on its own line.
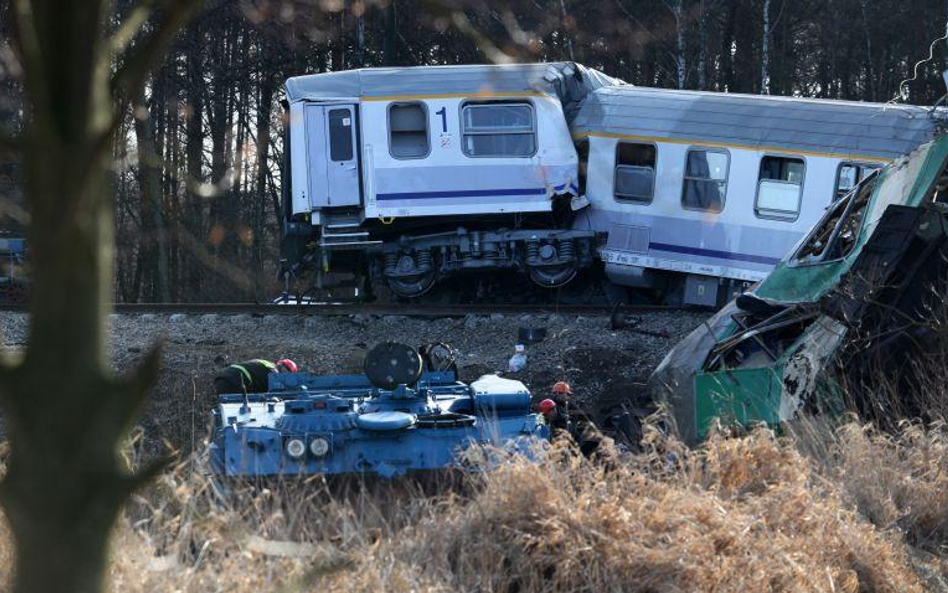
pixel 743 514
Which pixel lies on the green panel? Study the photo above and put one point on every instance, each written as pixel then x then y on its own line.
pixel 738 397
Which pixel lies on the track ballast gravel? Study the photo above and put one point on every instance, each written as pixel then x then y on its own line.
pixel 605 367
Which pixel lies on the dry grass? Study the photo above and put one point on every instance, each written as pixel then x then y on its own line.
pixel 742 514
pixel 899 481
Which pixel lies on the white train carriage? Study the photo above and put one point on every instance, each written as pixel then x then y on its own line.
pixel 422 172
pixel 702 192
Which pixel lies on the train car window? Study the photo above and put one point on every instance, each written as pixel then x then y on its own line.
pixel 340 135
pixel 635 172
pixel 705 179
pixel 780 187
pixel 850 174
pixel 498 129
pixel 408 130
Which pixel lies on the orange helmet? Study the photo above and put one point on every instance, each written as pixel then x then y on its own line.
pixel 288 365
pixel 562 388
pixel 547 406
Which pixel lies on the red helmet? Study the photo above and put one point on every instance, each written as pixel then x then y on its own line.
pixel 547 406
pixel 562 388
pixel 288 365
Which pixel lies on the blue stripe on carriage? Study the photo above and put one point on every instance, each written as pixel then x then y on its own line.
pixel 469 193
pixel 757 259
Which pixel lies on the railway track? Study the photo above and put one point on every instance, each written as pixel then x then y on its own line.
pixel 408 310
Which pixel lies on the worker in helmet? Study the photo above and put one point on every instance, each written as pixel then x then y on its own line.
pixel 251 376
pixel 562 396
pixel 573 419
pixel 561 392
pixel 554 417
pixel 547 409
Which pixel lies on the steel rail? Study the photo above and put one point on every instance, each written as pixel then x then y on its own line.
pixel 348 309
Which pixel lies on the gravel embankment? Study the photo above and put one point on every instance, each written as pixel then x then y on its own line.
pixel 603 366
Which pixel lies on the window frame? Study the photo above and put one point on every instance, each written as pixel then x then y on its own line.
pixel 533 128
pixel 793 260
pixel 839 173
pixel 760 162
pixel 615 173
pixel 350 137
pixel 388 125
pixel 685 178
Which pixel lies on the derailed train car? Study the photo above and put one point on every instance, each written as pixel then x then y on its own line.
pixel 411 175
pixel 860 295
pixel 700 193
pixel 418 173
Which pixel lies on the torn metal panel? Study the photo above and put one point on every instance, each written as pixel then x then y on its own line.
pixel 772 393
pixel 672 382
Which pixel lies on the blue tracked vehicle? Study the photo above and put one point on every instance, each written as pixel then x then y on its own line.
pixel 392 420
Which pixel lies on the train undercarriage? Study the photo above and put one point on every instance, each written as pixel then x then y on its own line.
pixel 409 266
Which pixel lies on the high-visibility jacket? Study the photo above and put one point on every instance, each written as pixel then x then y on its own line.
pixel 250 376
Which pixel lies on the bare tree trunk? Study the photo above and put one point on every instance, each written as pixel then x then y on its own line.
pixel 155 254
pixel 360 37
pixel 765 52
pixel 194 150
pixel 264 108
pixel 703 15
pixel 65 481
pixel 389 50
pixel 676 8
pixel 870 69
pixel 564 17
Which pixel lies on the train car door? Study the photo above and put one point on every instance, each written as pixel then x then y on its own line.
pixel 333 155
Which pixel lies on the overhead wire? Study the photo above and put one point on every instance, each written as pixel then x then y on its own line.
pixel 902 93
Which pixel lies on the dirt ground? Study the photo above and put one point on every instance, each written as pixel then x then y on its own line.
pixel 605 367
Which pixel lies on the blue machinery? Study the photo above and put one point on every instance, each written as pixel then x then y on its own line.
pixel 340 424
pixel 13 282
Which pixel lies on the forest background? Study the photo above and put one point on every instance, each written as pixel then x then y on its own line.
pixel 199 155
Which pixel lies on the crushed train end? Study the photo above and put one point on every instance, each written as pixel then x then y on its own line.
pixel 852 303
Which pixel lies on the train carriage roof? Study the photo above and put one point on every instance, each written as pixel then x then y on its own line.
pixel 841 128
pixel 567 81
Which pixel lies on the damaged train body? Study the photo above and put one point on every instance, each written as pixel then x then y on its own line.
pixel 408 176
pixel 700 194
pixel 419 173
pixel 857 299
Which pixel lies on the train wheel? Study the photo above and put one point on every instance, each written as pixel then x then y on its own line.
pixel 410 276
pixel 553 276
pixel 412 286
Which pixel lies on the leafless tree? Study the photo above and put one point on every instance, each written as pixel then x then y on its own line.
pixel 65 481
